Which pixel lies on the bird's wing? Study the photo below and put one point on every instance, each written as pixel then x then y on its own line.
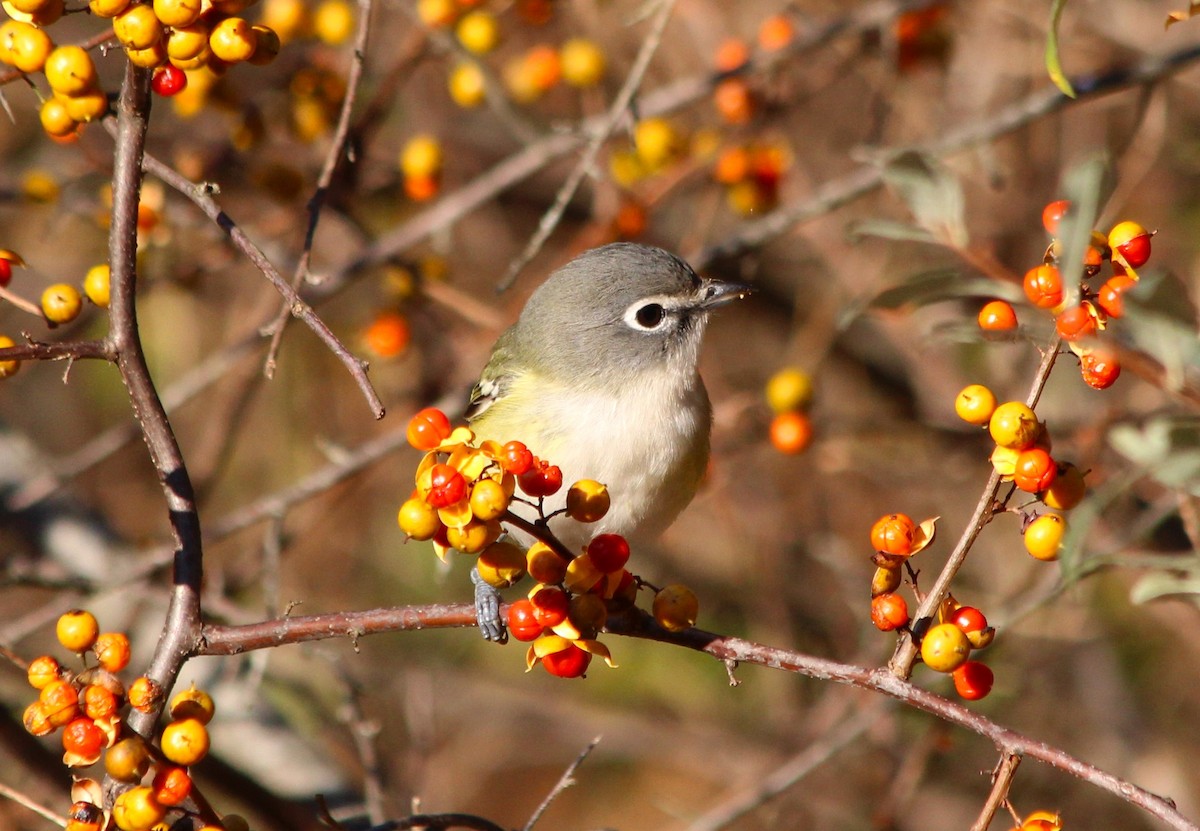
pixel 485 393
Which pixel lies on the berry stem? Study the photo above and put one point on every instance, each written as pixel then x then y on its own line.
pixel 905 654
pixel 540 532
pixel 21 303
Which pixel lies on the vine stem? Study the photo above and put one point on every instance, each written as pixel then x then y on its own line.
pixel 901 663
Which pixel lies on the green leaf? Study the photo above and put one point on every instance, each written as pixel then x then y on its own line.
pixel 1160 319
pixel 887 229
pixel 1053 64
pixel 1167 449
pixel 932 194
pixel 1164 584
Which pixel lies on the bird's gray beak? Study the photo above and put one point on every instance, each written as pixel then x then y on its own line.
pixel 714 293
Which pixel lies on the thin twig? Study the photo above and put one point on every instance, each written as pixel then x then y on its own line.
pixel 1001 781
pixel 25 802
pixel 583 167
pixel 565 781
pixel 336 152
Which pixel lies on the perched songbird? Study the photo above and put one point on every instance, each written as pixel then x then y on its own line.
pixel 599 376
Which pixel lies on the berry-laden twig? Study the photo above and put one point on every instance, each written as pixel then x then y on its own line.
pixel 232 640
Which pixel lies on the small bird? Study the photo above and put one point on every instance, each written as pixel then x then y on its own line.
pixel 599 376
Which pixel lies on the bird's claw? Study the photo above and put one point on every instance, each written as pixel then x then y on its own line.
pixel 487 609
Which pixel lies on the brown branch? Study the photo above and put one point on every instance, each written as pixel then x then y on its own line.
pixel 34 350
pixel 25 802
pixel 183 615
pixel 1001 781
pixel 565 781
pixel 201 198
pixel 337 150
pixel 233 640
pixel 905 654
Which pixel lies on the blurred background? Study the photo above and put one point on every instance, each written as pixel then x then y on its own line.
pixel 769 181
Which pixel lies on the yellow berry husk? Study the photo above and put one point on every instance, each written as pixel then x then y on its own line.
pixel 501 564
pixel 544 565
pixel 675 608
pixel 192 703
pixel 8 368
pixel 475 536
pixel 588 501
pixel 185 741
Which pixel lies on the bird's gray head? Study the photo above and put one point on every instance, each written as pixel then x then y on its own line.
pixel 620 310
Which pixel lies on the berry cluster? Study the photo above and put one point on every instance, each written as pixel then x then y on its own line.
pixel 751 174
pixel 946 645
pixel 1080 318
pixel 88 706
pixel 462 497
pixel 171 37
pixel 788 393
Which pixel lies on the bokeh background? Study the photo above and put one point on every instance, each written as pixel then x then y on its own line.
pixel 776 545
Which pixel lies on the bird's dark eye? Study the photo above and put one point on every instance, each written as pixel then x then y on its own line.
pixel 650 315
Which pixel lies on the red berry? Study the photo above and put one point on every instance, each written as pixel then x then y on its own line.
pixel 550 606
pixel 609 552
pixel 428 428
pixel 969 619
pixel 1053 214
pixel 5 272
pixel 84 738
pixel 517 459
pixel 521 621
pixel 543 479
pixel 446 486
pixel 1076 323
pixel 1132 242
pixel 1100 368
pixel 168 80
pixel 571 662
pixel 973 680
pixel 1035 470
pixel 1043 286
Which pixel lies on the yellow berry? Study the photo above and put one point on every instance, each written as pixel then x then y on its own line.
pixel 192 703
pixel 8 368
pixel 437 14
pixel 95 284
pixel 112 650
pixel 70 70
pixel 789 389
pixel 333 21
pixel 1013 425
pixel 77 630
pixel 489 499
pixel 418 520
pixel 501 564
pixel 185 741
pixel 288 18
pixel 544 565
pixel 587 501
pixel 137 810
pixel 945 648
pixel 466 84
pixel 675 608
pixel 108 8
pixel 233 40
pixel 656 142
pixel 177 12
pixel 478 32
pixel 975 404
pixel 138 27
pixel 187 42
pixel 421 157
pixel 87 106
pixel 1044 536
pixel 61 303
pixel 583 62
pixel 1067 489
pixel 24 46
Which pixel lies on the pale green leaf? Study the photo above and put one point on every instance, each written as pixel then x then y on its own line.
pixel 932 194
pixel 1053 63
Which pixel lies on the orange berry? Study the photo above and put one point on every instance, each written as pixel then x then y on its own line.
pixel 61 701
pixel 177 12
pixel 997 316
pixel 42 670
pixel 1052 215
pixel 145 694
pixel 791 432
pixel 1110 298
pixel 428 429
pixel 1035 470
pixel 544 66
pixel 233 40
pixel 37 720
pixel 85 816
pixel 732 55
pixel 776 32
pixel 1043 286
pixel 1130 243
pixel 734 101
pixel 84 739
pixel 138 27
pixel 889 611
pixel 1100 368
pixel 388 335
pixel 192 703
pixel 1075 323
pixel 973 680
pixel 99 702
pixel 894 534
pixel 70 70
pixel 112 650
pixel 171 785
pixel 137 810
pixel 733 165
pixel 1067 490
pixel 421 188
pixel 127 760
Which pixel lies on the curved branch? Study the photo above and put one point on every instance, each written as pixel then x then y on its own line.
pixel 232 640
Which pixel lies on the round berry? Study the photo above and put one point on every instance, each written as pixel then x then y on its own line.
pixel 790 388
pixel 1035 470
pixel 1014 425
pixel 185 742
pixel 418 519
pixel 333 21
pixel 84 740
pixel 791 433
pixel 501 564
pixel 177 12
pixel 587 501
pixel 731 55
pixel 466 84
pixel 583 62
pixel 516 458
pixel 478 31
pixel 55 118
pixel 36 720
pixel 70 70
pixel 77 630
pixel 1067 489
pixel 192 703
pixel 127 760
pixel 25 46
pixel 521 621
pixel 61 303
pixel 1075 323
pixel 1043 286
pixel 608 552
pixel 42 670
pixel 233 40
pixel 894 534
pixel 675 608
pixel 1130 243
pixel 421 157
pixel 1052 215
pixel 61 702
pixel 489 499
pixel 137 810
pixel 975 404
pixel 973 680
pixel 112 650
pixel 1110 298
pixel 475 536
pixel 656 142
pixel 543 479
pixel 138 27
pixel 945 647
pixel 171 785
pixel 428 429
pixel 550 605
pixel 889 611
pixel 776 32
pixel 569 662
pixel 544 565
pixel 997 316
pixel 168 80
pixel 96 284
pixel 388 335
pixel 99 702
pixel 145 694
pixel 1100 368
pixel 1044 536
